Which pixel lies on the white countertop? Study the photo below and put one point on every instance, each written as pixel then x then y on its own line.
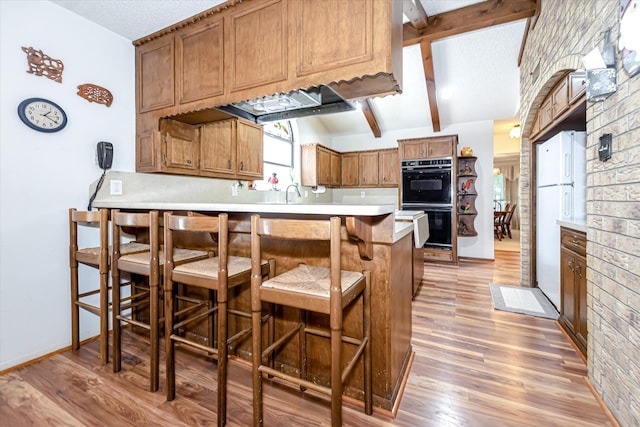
pixel 574 224
pixel 320 209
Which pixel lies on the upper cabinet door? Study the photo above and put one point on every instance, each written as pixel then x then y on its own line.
pixel 249 150
pixel 181 145
pixel 258 44
pixel 200 60
pixel 218 148
pixel 350 26
pixel 155 79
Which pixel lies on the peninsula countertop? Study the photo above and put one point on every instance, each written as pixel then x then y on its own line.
pixel 265 207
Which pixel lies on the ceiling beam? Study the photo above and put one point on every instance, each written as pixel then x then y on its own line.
pixel 371 118
pixel 416 14
pixel 470 18
pixel 429 75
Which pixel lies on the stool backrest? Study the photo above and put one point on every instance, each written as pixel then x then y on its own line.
pixel 293 229
pixel 100 219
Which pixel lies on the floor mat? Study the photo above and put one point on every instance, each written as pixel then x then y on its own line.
pixel 518 299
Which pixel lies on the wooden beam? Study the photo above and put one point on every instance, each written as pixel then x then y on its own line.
pixel 416 14
pixel 371 118
pixel 429 76
pixel 480 15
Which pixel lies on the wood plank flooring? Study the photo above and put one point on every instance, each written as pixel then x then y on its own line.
pixel 473 366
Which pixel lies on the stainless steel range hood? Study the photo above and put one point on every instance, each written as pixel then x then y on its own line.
pixel 299 103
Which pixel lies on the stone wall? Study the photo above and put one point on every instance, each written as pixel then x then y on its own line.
pixel 565 31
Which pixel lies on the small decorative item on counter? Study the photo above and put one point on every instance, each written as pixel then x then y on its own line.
pixel 273 180
pixel 251 185
pixel 466 152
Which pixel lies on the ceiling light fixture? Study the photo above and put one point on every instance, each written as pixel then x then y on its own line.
pixel 514 133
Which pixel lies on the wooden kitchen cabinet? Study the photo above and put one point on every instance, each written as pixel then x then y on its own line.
pixel 232 148
pixel 562 101
pixel 200 60
pixel 155 75
pixel 427 148
pixel 249 151
pixel 573 286
pixel 560 98
pixel 389 168
pixel 350 176
pixel 180 147
pixel 368 169
pixel 218 149
pixel 260 28
pixel 577 85
pixel 223 149
pixel 208 60
pixel 320 166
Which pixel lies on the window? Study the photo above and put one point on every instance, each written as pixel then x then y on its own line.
pixel 278 155
pixel 498 191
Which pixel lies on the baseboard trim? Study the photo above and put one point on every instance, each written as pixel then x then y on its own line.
pixel 603 405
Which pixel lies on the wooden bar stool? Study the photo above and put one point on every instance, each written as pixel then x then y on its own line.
pixel 216 274
pixel 329 291
pixel 142 296
pixel 96 257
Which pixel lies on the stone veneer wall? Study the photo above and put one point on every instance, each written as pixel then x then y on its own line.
pixel 565 31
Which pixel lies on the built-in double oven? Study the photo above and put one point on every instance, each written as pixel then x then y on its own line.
pixel 427 185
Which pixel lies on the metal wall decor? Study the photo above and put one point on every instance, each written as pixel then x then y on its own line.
pixel 42 64
pixel 95 93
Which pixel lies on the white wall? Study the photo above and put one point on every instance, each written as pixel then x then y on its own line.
pixel 43 175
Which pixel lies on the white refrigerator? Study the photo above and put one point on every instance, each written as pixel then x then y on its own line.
pixel 560 194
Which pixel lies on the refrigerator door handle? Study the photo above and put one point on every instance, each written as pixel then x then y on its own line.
pixel 566 204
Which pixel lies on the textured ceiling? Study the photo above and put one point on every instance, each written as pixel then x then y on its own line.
pixel 480 66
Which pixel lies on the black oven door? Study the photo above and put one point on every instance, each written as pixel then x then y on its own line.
pixel 439 229
pixel 426 186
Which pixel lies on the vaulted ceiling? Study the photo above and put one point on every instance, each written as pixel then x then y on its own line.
pixel 468 48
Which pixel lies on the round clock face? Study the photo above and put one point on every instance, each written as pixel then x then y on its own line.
pixel 42 115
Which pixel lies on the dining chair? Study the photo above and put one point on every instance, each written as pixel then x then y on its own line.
pixel 329 291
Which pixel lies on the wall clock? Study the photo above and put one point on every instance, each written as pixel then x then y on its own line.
pixel 42 115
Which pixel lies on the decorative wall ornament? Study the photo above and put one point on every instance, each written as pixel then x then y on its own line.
pixel 95 93
pixel 42 64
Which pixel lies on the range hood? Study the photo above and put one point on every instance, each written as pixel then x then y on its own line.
pixel 299 103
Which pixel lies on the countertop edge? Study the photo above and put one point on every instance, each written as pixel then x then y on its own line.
pixel 578 225
pixel 320 209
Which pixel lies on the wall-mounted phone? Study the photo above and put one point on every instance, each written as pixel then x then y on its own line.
pixel 105 154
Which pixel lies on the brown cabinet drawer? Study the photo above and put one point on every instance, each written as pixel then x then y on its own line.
pixel 573 240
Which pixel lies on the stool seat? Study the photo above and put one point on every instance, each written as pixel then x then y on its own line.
pixel 312 280
pixel 125 248
pixel 208 268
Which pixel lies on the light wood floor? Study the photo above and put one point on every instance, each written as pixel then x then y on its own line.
pixel 473 366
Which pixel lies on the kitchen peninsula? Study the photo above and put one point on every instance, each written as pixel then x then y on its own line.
pixel 372 240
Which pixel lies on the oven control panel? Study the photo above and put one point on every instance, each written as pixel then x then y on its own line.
pixel 427 163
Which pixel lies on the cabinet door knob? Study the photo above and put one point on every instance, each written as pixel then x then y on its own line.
pixel 241 165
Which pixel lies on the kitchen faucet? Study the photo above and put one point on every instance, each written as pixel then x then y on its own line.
pixel 286 192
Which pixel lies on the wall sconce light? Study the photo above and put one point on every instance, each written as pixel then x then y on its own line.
pixel 514 133
pixel 496 171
